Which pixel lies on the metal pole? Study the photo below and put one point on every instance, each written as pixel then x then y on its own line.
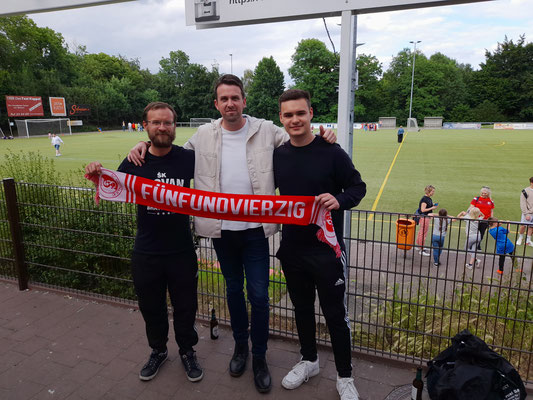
pixel 231 63
pixel 413 77
pixel 347 85
pixel 16 232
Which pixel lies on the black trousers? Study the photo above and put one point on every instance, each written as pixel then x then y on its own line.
pixel 400 138
pixel 323 272
pixel 152 277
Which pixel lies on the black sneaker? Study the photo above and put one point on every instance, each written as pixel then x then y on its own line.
pixel 150 369
pixel 192 368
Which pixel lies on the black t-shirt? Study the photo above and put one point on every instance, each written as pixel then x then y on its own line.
pixel 163 232
pixel 429 204
pixel 311 170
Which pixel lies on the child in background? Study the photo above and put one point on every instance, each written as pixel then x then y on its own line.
pixel 440 227
pixel 503 245
pixel 473 236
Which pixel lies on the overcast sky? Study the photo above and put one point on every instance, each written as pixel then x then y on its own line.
pixel 149 29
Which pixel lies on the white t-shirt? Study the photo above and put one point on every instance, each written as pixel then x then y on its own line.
pixel 234 175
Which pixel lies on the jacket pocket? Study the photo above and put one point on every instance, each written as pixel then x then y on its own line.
pixel 264 159
pixel 206 164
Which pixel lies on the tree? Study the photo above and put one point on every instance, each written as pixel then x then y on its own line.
pixel 315 69
pixel 187 86
pixel 505 79
pixel 247 77
pixel 266 87
pixel 369 96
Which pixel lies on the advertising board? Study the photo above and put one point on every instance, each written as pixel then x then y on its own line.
pixel 74 110
pixel 58 107
pixel 24 106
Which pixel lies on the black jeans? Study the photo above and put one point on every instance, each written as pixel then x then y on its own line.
pixel 306 273
pixel 152 276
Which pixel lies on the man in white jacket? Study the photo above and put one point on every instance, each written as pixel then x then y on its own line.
pixel 234 154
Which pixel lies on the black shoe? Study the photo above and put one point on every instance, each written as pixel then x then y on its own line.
pixel 192 368
pixel 262 379
pixel 237 365
pixel 150 369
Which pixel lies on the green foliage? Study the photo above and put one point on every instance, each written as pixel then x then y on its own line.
pixel 265 88
pixel 68 240
pixel 505 309
pixel 315 69
pixel 187 86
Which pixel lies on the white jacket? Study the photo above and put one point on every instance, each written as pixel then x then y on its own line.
pixel 263 137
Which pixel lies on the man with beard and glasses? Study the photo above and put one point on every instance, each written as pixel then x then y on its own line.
pixel 163 255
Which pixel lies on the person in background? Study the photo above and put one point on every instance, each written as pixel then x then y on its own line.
pixel 503 245
pixel 486 206
pixel 425 206
pixel 473 237
pixel 526 206
pixel 401 131
pixel 56 142
pixel 440 227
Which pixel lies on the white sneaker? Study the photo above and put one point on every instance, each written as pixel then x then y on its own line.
pixel 519 241
pixel 346 389
pixel 424 253
pixel 469 266
pixel 530 243
pixel 300 373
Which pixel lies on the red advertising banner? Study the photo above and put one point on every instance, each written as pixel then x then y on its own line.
pixel 58 107
pixel 24 106
pixel 78 109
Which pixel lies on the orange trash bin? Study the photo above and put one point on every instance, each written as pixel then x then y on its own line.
pixel 405 233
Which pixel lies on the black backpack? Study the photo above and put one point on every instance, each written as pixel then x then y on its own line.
pixel 469 370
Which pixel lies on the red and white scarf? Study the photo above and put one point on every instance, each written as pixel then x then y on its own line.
pixel 296 210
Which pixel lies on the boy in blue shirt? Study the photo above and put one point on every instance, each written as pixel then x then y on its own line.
pixel 503 245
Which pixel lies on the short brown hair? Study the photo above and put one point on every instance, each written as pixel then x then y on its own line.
pixel 294 94
pixel 531 180
pixel 492 220
pixel 157 105
pixel 229 79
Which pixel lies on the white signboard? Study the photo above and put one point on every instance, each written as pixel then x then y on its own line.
pixel 216 13
pixel 14 7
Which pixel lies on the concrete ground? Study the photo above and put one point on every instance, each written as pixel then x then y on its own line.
pixel 56 346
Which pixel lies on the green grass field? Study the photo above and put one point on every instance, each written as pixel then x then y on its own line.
pixel 456 162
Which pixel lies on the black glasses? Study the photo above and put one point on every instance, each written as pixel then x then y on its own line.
pixel 159 123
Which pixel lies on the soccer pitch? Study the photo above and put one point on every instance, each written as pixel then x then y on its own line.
pixel 456 162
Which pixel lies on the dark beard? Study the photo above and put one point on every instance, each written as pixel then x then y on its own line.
pixel 162 140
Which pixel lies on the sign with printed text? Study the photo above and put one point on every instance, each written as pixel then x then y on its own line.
pixel 58 107
pixel 217 13
pixel 74 110
pixel 24 106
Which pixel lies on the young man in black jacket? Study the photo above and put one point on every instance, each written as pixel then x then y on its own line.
pixel 307 165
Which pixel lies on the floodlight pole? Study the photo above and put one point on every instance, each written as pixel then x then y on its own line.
pixel 413 77
pixel 231 62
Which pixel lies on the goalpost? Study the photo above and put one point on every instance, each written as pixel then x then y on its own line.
pixel 196 122
pixel 41 127
pixel 412 125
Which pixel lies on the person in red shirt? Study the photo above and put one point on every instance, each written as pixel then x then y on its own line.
pixel 486 206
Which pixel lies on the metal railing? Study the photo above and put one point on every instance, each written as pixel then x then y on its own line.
pixel 400 305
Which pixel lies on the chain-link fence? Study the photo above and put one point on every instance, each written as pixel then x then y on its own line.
pixel 401 305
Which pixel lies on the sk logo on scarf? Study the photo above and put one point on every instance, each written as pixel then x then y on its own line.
pixel 110 185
